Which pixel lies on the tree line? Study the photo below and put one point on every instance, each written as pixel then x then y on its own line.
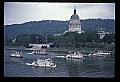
pixel 89 38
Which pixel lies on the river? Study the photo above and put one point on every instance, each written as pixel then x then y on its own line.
pixel 95 67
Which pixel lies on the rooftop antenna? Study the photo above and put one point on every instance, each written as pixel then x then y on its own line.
pixel 74 9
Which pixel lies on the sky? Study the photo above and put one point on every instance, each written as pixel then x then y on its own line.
pixel 21 12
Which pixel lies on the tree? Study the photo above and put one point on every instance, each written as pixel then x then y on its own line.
pixel 36 38
pixel 81 38
pixel 23 39
pixel 90 35
pixel 109 38
pixel 8 40
pixel 59 40
pixel 50 38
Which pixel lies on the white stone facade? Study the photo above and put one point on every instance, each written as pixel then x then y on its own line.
pixel 74 23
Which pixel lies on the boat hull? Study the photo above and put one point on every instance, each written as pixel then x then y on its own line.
pixel 16 55
pixel 77 56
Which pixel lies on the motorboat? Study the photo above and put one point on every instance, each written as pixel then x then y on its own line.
pixel 42 52
pixel 61 56
pixel 16 54
pixel 75 55
pixel 87 55
pixel 45 63
pixel 103 53
pixel 100 53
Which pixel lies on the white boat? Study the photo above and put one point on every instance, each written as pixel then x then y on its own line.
pixel 61 56
pixel 87 55
pixel 103 53
pixel 100 53
pixel 75 55
pixel 42 52
pixel 16 54
pixel 30 53
pixel 31 63
pixel 45 63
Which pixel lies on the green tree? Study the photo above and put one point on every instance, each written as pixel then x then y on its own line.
pixel 23 39
pixel 90 35
pixel 50 38
pixel 59 40
pixel 8 40
pixel 109 38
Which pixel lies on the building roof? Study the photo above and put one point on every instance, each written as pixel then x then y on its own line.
pixel 74 16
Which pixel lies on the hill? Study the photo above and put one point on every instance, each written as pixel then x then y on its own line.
pixel 55 27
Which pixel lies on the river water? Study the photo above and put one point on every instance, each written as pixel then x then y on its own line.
pixel 95 67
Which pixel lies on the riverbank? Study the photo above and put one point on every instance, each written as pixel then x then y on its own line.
pixel 84 50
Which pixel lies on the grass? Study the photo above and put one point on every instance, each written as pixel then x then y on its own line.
pixel 107 47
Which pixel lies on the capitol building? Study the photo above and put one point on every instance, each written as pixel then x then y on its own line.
pixel 74 23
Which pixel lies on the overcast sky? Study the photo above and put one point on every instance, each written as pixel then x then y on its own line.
pixel 20 12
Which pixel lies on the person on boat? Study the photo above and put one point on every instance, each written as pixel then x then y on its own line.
pixel 74 53
pixel 36 62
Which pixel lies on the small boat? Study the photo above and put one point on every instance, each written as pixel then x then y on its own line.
pixel 103 53
pixel 42 52
pixel 45 63
pixel 30 64
pixel 100 54
pixel 16 54
pixel 75 55
pixel 61 56
pixel 87 55
pixel 30 53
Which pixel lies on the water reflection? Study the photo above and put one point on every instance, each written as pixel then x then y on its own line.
pixel 73 66
pixel 93 64
pixel 74 61
pixel 15 59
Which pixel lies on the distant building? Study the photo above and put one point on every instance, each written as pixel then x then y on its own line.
pixel 74 24
pixel 102 33
pixel 57 34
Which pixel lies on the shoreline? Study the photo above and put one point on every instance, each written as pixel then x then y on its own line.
pixel 61 49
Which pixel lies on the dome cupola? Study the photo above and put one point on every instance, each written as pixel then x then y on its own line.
pixel 74 23
pixel 74 16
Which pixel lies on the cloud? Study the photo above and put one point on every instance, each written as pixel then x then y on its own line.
pixel 98 11
pixel 19 12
